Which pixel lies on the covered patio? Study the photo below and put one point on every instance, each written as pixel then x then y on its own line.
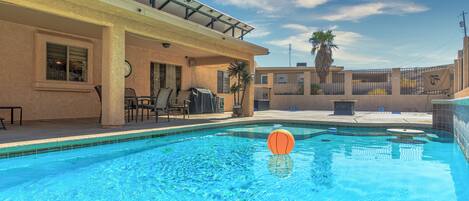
pixel 163 50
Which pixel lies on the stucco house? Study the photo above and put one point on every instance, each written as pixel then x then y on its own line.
pixel 53 53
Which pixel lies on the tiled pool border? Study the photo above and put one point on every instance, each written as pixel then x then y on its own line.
pixel 17 149
pixel 458 111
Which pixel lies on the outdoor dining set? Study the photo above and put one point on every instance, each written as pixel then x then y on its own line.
pixel 137 106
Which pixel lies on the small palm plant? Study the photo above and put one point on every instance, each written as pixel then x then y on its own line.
pixel 239 72
pixel 323 43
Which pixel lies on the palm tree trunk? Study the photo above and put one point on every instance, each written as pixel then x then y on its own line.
pixel 242 98
pixel 239 81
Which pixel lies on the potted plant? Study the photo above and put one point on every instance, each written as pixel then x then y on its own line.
pixel 238 71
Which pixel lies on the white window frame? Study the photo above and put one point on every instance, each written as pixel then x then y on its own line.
pixel 264 77
pixel 41 82
pixel 277 80
pixel 224 78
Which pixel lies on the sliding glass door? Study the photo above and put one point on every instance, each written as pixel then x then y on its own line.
pixel 165 76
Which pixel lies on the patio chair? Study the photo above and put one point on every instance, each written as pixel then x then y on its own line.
pixel 182 103
pixel 160 104
pixel 3 125
pixel 98 89
pixel 129 105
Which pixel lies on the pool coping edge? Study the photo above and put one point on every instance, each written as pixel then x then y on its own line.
pixel 22 148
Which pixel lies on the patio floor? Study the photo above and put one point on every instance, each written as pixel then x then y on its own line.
pixel 47 129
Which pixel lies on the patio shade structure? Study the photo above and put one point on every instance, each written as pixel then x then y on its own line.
pixel 202 14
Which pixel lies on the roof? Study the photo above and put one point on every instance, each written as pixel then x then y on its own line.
pixel 202 14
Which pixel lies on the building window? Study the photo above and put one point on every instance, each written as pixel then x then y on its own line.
pixel 66 63
pixel 281 78
pixel 300 78
pixel 223 82
pixel 261 79
pixel 264 79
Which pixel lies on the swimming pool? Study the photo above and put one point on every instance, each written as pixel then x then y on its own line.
pixel 233 163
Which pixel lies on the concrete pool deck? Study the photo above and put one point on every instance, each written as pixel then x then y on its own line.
pixel 47 131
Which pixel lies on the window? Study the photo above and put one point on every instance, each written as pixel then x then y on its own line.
pixel 261 79
pixel 223 82
pixel 264 79
pixel 281 78
pixel 300 78
pixel 162 75
pixel 66 63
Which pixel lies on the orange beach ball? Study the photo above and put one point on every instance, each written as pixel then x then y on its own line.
pixel 280 141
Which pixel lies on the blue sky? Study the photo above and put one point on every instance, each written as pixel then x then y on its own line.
pixel 370 33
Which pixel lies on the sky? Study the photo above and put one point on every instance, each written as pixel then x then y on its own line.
pixel 370 33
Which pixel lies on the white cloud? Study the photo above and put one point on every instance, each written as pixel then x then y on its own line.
pixel 309 3
pixel 357 12
pixel 261 30
pixel 296 27
pixel 347 42
pixel 258 33
pixel 272 5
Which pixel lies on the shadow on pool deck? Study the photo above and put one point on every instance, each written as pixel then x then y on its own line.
pixel 45 129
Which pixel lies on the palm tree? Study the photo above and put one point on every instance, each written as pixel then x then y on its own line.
pixel 239 71
pixel 323 43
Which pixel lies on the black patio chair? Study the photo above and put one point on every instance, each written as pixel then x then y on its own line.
pixel 3 125
pixel 129 104
pixel 160 104
pixel 182 103
pixel 99 90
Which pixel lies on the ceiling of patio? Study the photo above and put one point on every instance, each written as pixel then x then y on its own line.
pixel 175 49
pixel 30 17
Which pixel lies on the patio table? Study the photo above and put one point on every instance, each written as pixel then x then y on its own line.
pixel 140 101
pixel 12 112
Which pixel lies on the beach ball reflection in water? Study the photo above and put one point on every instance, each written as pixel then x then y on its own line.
pixel 280 166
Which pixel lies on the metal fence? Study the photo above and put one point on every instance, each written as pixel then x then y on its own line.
pixel 412 81
pixel 372 82
pixel 262 93
pixel 334 84
pixel 289 84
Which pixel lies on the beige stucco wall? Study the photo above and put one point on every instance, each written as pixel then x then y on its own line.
pixel 18 79
pixel 206 77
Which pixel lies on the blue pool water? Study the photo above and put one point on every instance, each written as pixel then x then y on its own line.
pixel 234 164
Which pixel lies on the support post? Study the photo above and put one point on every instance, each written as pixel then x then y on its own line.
pixel 465 63
pixel 248 105
pixel 348 84
pixel 307 83
pixel 396 81
pixel 112 76
pixel 457 76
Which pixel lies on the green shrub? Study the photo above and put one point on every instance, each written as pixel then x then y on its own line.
pixel 378 92
pixel 315 88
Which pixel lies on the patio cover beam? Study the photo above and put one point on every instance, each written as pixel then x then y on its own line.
pixel 164 4
pixel 233 26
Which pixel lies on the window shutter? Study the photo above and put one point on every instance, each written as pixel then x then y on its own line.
pixel 78 67
pixel 220 81
pixel 56 62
